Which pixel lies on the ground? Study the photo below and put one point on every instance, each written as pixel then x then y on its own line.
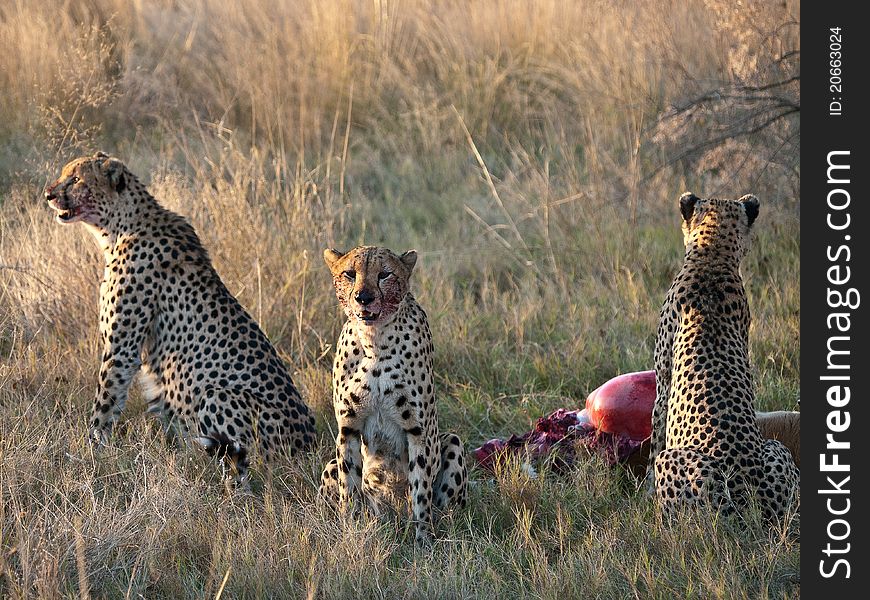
pixel 512 148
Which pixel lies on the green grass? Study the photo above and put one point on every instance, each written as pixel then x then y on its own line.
pixel 511 143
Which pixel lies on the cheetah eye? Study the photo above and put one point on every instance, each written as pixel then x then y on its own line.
pixel 383 275
pixel 75 179
pixel 350 274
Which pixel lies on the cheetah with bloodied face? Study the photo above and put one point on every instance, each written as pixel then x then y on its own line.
pixel 388 441
pixel 706 446
pixel 165 312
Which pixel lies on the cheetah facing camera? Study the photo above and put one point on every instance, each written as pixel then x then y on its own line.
pixel 164 310
pixel 706 447
pixel 384 398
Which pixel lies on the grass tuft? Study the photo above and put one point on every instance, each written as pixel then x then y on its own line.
pixel 516 145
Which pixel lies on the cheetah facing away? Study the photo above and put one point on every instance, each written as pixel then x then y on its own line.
pixel 165 311
pixel 706 447
pixel 384 397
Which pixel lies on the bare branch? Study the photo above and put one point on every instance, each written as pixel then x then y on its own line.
pixel 761 88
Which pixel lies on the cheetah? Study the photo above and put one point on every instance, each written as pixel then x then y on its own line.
pixel 706 446
pixel 165 313
pixel 384 395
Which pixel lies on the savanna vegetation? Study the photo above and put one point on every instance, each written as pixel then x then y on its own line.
pixel 531 151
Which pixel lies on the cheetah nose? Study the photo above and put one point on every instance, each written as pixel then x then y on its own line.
pixel 49 194
pixel 365 298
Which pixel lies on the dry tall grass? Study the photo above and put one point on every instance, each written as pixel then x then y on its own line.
pixel 522 147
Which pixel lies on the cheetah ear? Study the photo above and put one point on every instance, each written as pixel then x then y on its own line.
pixel 409 259
pixel 750 204
pixel 113 169
pixel 687 205
pixel 330 255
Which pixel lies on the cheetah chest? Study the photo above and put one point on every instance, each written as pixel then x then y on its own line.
pixel 373 394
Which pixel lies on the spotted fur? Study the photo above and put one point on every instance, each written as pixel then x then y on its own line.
pixel 706 446
pixel 384 395
pixel 165 313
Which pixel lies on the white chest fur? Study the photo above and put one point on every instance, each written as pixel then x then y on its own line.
pixel 375 386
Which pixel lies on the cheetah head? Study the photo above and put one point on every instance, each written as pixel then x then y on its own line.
pixel 88 189
pixel 724 223
pixel 370 282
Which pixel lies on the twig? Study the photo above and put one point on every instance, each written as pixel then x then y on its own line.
pixel 223 583
pixel 346 142
pixel 730 133
pixel 494 191
pixel 81 564
pixel 26 271
pixel 761 88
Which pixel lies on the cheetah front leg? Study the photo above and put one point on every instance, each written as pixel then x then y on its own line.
pixel 116 373
pixel 377 492
pixel 328 490
pixel 424 454
pixel 451 485
pixel 125 319
pixel 348 461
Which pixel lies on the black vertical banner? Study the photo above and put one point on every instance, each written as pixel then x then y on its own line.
pixel 835 228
